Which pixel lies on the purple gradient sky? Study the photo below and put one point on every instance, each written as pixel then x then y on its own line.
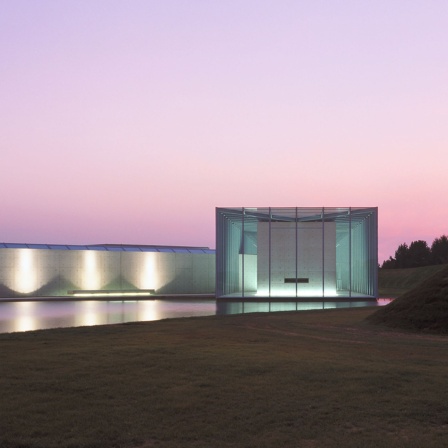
pixel 129 121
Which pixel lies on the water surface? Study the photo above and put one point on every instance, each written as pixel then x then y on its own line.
pixel 38 315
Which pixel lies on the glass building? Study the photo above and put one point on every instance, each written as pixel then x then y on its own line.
pixel 297 252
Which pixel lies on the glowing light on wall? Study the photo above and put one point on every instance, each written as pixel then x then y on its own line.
pixel 26 274
pixel 91 272
pixel 148 274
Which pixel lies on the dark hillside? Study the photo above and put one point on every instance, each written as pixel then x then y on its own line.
pixel 394 282
pixel 423 308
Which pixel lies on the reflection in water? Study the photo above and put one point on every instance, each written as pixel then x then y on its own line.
pixel 223 307
pixel 148 310
pixel 87 313
pixel 25 320
pixel 36 315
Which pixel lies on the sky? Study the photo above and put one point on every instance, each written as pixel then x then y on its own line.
pixel 130 121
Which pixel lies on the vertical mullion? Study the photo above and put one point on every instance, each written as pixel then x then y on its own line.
pixel 323 252
pixel 242 255
pixel 350 252
pixel 269 252
pixel 297 254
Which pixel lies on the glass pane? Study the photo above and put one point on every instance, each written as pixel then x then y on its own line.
pixel 248 253
pixel 229 241
pixel 310 252
pixel 282 251
pixel 296 252
pixel 343 243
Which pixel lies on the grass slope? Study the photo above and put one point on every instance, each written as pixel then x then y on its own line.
pixel 423 308
pixel 300 379
pixel 394 282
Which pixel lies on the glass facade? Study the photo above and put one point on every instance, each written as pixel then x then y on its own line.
pixel 297 252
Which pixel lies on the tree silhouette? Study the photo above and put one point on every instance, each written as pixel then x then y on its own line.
pixel 418 253
pixel 401 256
pixel 389 264
pixel 439 250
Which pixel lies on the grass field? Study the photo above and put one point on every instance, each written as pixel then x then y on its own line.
pixel 306 379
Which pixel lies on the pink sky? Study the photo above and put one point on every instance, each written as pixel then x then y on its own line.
pixel 129 122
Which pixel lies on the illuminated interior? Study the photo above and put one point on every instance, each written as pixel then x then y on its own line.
pixel 296 252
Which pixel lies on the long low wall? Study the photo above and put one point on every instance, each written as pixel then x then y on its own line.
pixel 47 272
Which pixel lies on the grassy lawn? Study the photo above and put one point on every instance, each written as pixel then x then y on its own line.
pixel 306 379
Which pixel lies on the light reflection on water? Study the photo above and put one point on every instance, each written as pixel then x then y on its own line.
pixel 268 307
pixel 37 315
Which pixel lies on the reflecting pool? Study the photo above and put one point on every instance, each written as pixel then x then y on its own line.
pixel 38 315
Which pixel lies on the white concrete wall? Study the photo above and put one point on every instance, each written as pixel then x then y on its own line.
pixel 250 273
pixel 45 272
pixel 309 258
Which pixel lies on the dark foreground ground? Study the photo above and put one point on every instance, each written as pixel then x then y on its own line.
pixel 307 379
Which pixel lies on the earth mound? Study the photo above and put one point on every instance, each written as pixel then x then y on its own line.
pixel 423 308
